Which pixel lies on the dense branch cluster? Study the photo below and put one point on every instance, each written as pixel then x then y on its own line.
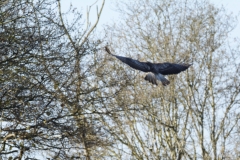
pixel 46 100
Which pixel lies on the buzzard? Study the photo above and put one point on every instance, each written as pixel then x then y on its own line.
pixel 158 70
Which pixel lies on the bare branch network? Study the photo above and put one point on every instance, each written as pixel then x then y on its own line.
pixel 63 97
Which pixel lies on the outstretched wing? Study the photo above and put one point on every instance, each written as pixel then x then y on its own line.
pixel 171 68
pixel 142 66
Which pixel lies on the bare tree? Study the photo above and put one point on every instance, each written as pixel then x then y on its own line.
pixel 50 93
pixel 197 116
pixel 62 96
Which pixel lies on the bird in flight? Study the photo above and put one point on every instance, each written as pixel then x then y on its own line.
pixel 158 70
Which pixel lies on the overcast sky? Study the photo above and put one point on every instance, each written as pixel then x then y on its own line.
pixel 109 15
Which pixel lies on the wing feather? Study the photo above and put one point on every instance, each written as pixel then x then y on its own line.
pixel 171 68
pixel 142 66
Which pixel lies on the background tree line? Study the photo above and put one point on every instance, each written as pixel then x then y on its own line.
pixel 63 97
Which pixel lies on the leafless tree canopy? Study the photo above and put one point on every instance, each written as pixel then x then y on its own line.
pixel 63 97
pixel 193 119
pixel 49 89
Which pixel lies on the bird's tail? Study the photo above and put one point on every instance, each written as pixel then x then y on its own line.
pixel 165 82
pixel 161 78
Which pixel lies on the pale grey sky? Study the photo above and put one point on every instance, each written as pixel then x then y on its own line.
pixel 109 15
